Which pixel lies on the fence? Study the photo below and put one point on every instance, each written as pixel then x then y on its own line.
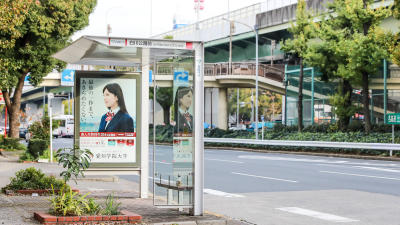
pixel 323 144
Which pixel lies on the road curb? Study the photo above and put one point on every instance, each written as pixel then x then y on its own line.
pixel 102 179
pixel 307 153
pixel 201 222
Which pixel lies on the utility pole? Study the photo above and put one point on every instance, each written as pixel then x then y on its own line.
pixel 231 27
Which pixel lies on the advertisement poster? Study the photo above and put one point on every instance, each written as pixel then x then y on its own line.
pixel 183 118
pixel 108 119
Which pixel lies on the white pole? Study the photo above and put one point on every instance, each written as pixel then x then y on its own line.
pixel 256 83
pixel 262 126
pixel 107 25
pixel 151 18
pixel 255 32
pixel 230 47
pixel 198 15
pixel 237 113
pixel 69 104
pixel 51 131
pixel 391 151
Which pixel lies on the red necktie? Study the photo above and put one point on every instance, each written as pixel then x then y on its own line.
pixel 187 116
pixel 110 115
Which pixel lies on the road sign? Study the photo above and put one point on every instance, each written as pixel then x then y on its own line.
pixel 262 117
pixel 67 78
pixel 26 81
pixel 150 77
pixel 393 118
pixel 181 78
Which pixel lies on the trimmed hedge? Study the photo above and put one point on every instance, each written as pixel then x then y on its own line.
pixel 379 134
pixel 36 146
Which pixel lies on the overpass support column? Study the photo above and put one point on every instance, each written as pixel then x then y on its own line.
pixel 223 108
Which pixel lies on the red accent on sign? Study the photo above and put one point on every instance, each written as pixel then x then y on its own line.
pixel 183 135
pixel 106 134
pixel 189 45
pixel 109 41
pixel 126 42
pixel 130 142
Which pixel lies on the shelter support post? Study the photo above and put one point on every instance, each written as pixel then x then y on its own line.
pixel 198 184
pixel 144 169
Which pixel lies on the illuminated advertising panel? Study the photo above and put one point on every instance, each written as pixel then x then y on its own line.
pixel 108 118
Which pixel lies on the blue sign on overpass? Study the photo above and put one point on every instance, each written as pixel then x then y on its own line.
pixel 68 78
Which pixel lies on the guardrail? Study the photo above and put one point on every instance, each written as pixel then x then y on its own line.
pixel 326 144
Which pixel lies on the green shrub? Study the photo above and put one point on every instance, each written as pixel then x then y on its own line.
pixel 68 203
pixel 316 128
pixel 11 144
pixel 355 126
pixel 278 127
pixel 36 147
pixel 1 139
pixel 46 155
pixel 112 207
pixel 33 179
pixel 22 147
pixel 26 156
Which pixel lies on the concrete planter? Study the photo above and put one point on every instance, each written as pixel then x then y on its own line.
pixel 126 217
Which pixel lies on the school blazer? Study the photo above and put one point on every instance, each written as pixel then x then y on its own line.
pixel 121 122
pixel 180 121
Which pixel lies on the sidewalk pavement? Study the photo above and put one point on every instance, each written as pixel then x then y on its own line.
pixel 16 210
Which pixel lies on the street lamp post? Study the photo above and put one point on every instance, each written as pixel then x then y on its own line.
pixel 256 34
pixel 108 25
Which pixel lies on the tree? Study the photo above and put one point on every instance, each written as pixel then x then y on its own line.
pixel 265 103
pixel 46 29
pixel 165 97
pixel 353 46
pixel 302 33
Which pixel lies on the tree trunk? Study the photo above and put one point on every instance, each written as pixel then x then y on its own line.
pixel 166 116
pixel 300 101
pixel 347 88
pixel 367 115
pixel 14 107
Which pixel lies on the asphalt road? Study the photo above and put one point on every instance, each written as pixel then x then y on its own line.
pixel 265 188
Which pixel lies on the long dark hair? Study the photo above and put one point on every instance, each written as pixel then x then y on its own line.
pixel 116 90
pixel 180 92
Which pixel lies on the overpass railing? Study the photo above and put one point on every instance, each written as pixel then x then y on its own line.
pixel 276 72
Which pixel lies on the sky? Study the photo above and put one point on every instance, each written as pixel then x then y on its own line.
pixel 132 19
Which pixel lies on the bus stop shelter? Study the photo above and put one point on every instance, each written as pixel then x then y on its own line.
pixel 180 176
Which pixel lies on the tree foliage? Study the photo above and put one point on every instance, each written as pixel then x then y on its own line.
pixel 266 105
pixel 353 45
pixel 302 33
pixel 44 28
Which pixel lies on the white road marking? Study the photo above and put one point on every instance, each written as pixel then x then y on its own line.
pixel 359 175
pixel 276 158
pixel 364 167
pixel 220 193
pixel 224 160
pixel 160 162
pixel 319 215
pixel 264 177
